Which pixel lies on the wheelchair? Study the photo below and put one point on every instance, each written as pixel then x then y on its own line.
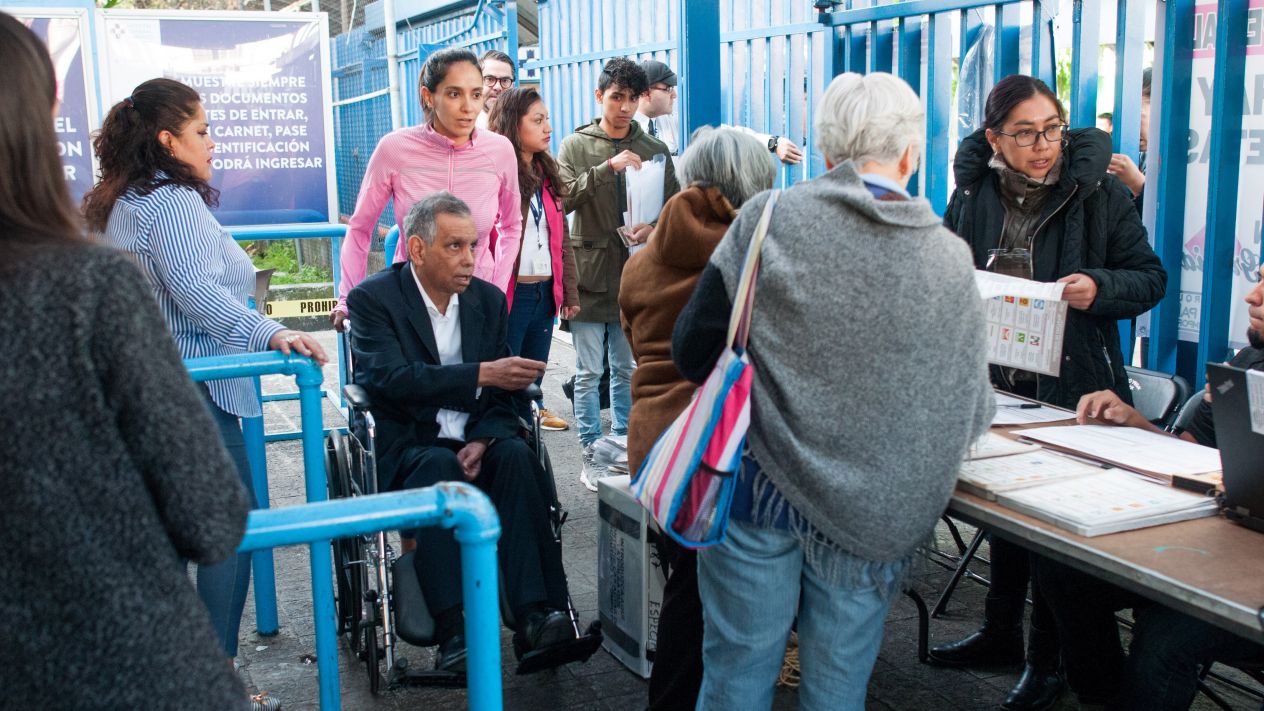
pixel 377 593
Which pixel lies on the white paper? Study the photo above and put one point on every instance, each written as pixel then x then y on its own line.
pixel 1132 448
pixel 988 477
pixel 1105 501
pixel 994 445
pixel 1010 412
pixel 1025 322
pixel 1255 398
pixel 645 190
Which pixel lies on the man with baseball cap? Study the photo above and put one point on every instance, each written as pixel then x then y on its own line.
pixel 655 113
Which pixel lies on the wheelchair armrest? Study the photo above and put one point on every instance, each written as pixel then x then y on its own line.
pixel 357 397
pixel 531 392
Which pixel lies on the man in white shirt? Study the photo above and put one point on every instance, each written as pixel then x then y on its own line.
pixel 656 114
pixel 429 344
pixel 498 77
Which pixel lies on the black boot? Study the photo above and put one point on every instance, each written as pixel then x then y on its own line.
pixel 1041 682
pixel 998 643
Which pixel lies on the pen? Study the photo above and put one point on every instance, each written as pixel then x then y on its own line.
pixel 1024 406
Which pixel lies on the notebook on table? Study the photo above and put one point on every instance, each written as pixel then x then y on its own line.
pixel 1241 447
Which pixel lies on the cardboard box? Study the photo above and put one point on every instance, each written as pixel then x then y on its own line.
pixel 630 576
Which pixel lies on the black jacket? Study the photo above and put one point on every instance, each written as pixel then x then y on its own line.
pixel 1090 226
pixel 397 362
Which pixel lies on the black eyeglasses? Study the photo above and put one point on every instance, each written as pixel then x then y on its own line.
pixel 505 82
pixel 1027 137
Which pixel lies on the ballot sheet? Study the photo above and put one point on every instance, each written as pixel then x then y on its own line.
pixel 1140 450
pixel 1026 321
pixel 989 477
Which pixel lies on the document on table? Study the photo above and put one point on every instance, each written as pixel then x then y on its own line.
pixel 1132 448
pixel 1011 411
pixel 1255 398
pixel 994 445
pixel 1110 502
pixel 989 477
pixel 1025 322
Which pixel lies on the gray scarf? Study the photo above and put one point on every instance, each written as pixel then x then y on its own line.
pixel 1024 199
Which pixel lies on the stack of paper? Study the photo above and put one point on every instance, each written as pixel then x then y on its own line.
pixel 1170 460
pixel 994 445
pixel 1109 502
pixel 1016 411
pixel 1025 322
pixel 989 477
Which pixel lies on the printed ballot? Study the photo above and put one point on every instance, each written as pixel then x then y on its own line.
pixel 1025 322
pixel 990 477
pixel 1151 453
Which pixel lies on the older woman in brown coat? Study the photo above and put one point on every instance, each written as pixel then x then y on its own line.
pixel 723 168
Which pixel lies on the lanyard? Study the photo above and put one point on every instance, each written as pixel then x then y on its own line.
pixel 537 213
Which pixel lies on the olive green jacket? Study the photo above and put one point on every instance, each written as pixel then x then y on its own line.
pixel 596 194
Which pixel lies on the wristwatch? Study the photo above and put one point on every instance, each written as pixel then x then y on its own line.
pixel 772 143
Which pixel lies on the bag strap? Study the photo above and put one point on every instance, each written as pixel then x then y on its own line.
pixel 744 298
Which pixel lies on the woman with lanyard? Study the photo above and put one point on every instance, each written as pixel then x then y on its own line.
pixel 447 153
pixel 543 277
pixel 154 201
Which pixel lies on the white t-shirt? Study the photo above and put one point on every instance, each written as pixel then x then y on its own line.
pixel 536 259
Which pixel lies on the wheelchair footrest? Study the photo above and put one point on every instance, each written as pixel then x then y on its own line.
pixel 576 650
pixel 403 675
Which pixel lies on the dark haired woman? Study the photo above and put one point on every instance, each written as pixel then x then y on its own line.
pixel 444 153
pixel 154 201
pixel 113 473
pixel 1034 199
pixel 543 279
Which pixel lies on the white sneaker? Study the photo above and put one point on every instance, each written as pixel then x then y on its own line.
pixel 592 471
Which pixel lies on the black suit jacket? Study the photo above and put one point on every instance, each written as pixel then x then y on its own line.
pixel 396 360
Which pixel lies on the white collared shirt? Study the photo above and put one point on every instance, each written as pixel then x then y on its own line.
pixel 447 333
pixel 481 121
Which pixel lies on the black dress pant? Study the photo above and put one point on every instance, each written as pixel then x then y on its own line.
pixel 530 562
pixel 677 673
pixel 1012 567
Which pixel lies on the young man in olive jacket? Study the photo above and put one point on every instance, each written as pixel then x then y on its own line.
pixel 593 163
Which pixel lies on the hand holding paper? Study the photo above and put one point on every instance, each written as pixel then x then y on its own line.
pixel 1080 291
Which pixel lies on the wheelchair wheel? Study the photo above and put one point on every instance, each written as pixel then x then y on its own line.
pixel 348 592
pixel 371 649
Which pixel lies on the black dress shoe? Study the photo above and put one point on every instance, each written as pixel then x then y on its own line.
pixel 1037 689
pixel 452 654
pixel 544 628
pixel 985 648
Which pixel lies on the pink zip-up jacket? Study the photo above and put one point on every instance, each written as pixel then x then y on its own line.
pixel 410 164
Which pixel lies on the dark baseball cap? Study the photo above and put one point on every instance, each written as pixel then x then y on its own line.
pixel 658 73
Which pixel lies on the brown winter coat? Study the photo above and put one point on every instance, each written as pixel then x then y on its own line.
pixel 657 283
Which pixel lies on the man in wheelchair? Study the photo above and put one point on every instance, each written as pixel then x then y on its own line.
pixel 429 346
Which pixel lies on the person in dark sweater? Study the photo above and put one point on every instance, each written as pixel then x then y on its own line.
pixel 1035 200
pixel 1160 671
pixel 115 474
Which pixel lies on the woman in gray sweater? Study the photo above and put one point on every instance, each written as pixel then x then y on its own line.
pixel 113 474
pixel 871 381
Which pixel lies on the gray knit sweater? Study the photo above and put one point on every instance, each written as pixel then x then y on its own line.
pixel 112 472
pixel 870 363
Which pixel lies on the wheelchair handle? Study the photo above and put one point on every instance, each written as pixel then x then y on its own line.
pixel 531 392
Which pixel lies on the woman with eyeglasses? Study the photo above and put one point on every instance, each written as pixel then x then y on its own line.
pixel 1034 199
pixel 447 152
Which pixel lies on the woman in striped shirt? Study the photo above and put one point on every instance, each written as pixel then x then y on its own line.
pixel 153 201
pixel 444 153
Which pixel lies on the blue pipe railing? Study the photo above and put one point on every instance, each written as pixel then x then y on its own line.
pixel 308 376
pixel 451 505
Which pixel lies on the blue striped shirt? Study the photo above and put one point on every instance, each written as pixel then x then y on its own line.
pixel 202 279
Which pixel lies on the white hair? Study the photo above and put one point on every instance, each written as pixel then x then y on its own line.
pixel 731 159
pixel 423 219
pixel 870 117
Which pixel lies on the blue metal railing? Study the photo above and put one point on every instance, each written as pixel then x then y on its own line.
pixel 453 505
pixel 308 376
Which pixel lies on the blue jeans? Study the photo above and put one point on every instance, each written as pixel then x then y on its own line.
pixel 592 342
pixel 752 587
pixel 223 586
pixel 531 322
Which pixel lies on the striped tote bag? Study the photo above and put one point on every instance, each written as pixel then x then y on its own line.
pixel 686 482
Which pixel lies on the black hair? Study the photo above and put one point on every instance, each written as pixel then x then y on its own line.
pixel 626 73
pixel 1012 91
pixel 35 204
pixel 130 154
pixel 435 70
pixel 506 119
pixel 499 56
pixel 1145 84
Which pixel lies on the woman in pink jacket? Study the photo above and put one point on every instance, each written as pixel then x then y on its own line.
pixel 445 153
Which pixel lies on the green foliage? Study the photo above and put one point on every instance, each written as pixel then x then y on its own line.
pixel 281 256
